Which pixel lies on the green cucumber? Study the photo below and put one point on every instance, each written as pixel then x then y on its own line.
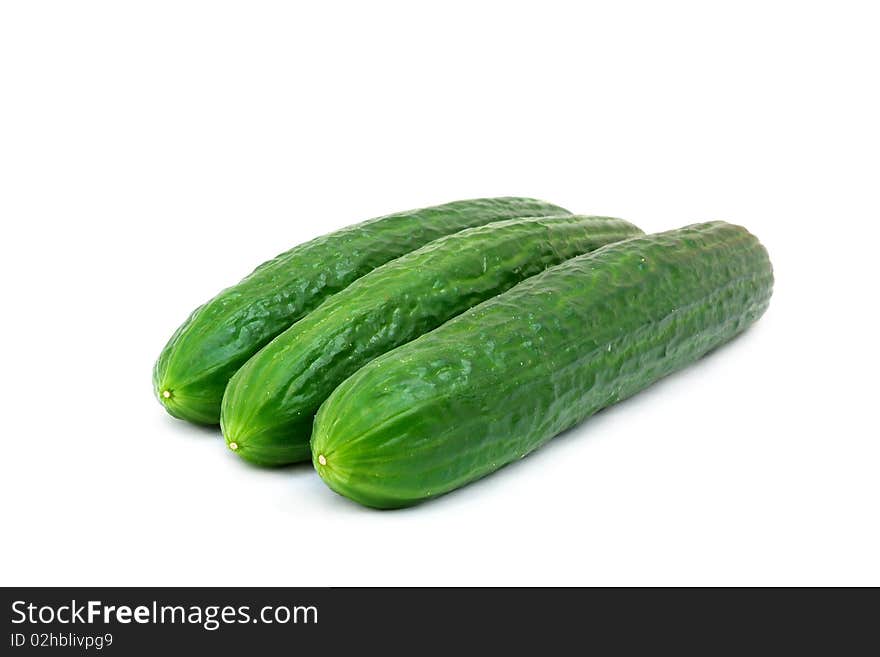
pixel 194 367
pixel 270 403
pixel 504 377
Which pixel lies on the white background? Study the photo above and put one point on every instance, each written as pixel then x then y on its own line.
pixel 152 153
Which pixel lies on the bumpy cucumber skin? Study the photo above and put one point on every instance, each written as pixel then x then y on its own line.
pixel 194 367
pixel 501 379
pixel 270 403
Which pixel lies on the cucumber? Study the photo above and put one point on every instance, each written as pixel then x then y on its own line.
pixel 270 403
pixel 504 377
pixel 194 367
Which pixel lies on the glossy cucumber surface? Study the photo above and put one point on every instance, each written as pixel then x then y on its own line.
pixel 504 377
pixel 270 403
pixel 218 337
